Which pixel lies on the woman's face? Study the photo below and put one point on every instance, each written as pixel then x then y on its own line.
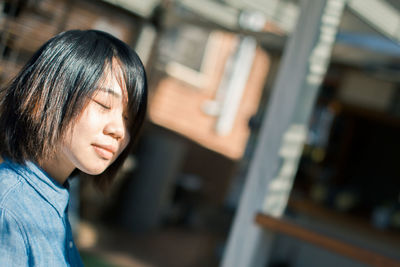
pixel 99 135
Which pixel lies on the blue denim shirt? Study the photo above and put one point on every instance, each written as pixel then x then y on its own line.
pixel 34 226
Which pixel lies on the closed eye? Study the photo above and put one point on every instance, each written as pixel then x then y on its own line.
pixel 102 105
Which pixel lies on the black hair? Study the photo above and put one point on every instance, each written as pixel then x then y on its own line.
pixel 52 89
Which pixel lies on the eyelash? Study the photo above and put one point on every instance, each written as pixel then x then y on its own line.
pixel 103 106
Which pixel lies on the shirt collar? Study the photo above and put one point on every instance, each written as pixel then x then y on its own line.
pixel 53 192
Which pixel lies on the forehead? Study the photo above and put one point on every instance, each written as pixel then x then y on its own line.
pixel 113 82
pixel 111 86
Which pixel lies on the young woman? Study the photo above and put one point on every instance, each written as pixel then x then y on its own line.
pixel 78 104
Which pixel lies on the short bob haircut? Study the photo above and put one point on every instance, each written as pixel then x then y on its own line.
pixel 53 88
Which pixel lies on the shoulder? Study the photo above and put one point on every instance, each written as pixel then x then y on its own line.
pixel 11 227
pixel 10 181
pixel 11 186
pixel 9 221
pixel 14 250
pixel 13 243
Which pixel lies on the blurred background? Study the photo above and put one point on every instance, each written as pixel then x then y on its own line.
pixel 271 137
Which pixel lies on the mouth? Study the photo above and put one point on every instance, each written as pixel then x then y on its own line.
pixel 104 151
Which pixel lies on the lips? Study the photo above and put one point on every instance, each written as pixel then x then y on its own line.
pixel 104 151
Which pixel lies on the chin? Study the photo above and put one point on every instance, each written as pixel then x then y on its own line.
pixel 95 172
pixel 94 169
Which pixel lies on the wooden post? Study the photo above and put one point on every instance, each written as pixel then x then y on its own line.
pixel 284 129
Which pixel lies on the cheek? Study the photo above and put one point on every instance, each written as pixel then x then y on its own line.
pixel 89 123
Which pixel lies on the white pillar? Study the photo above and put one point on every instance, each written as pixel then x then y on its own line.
pixel 283 131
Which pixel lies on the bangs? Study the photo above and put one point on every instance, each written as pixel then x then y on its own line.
pixel 132 81
pixel 114 69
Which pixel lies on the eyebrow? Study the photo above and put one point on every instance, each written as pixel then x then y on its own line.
pixel 110 91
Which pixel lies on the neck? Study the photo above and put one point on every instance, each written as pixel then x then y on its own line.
pixel 57 169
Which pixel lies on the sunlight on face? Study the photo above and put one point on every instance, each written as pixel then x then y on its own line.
pixel 100 133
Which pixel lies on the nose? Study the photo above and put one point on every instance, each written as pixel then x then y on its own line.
pixel 115 128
